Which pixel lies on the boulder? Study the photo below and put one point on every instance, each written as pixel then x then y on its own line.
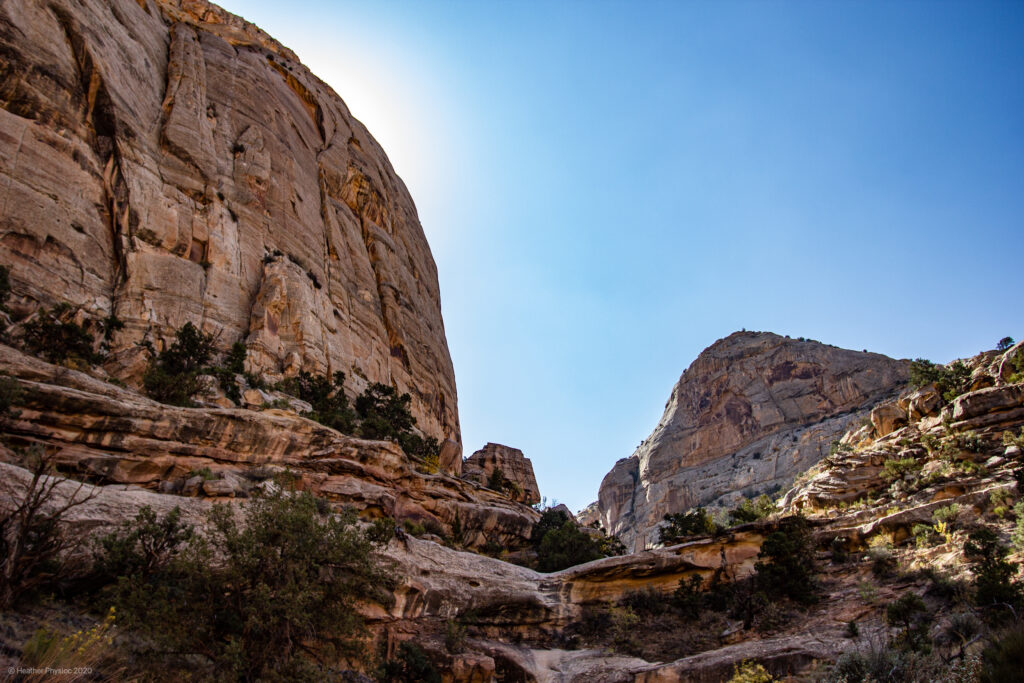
pixel 924 402
pixel 887 418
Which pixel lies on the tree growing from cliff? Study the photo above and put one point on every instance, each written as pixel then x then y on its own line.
pixel 327 398
pixel 272 597
pixel 497 481
pixel 385 414
pixel 172 375
pixel 54 336
pixel 1004 343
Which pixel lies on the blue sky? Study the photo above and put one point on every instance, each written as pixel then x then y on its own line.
pixel 609 187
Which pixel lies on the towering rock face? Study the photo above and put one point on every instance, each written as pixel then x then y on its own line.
pixel 164 161
pixel 515 467
pixel 754 410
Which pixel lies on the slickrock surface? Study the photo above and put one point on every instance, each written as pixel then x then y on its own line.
pixel 516 467
pixel 753 411
pixel 166 162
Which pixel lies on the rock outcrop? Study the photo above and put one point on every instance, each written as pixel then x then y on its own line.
pixel 166 162
pixel 108 434
pixel 515 467
pixel 753 411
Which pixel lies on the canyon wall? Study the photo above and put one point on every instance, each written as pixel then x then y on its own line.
pixel 753 411
pixel 165 162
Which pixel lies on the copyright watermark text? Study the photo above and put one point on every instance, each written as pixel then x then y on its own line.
pixel 29 671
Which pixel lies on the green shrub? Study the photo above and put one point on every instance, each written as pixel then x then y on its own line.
pixel 190 351
pixel 948 514
pixel 234 365
pixel 836 447
pixel 454 636
pixel 648 601
pixel 383 412
pixel 141 547
pixel 1003 660
pixel 1018 530
pixel 682 525
pixel 550 520
pixel 883 664
pixel 10 393
pixel 52 335
pixel 325 396
pixel 896 468
pixel 995 587
pixel 688 598
pixel 785 565
pixel 911 617
pixel 951 380
pixel 410 666
pixel 205 472
pixel 624 623
pixel 381 531
pixel 273 597
pixel 497 480
pixel 565 547
pixel 172 375
pixel 610 546
pixel 1004 343
pixel 752 509
pixel 967 441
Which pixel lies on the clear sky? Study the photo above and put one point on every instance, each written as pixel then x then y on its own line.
pixel 609 187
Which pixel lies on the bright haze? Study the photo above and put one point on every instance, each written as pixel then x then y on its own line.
pixel 609 187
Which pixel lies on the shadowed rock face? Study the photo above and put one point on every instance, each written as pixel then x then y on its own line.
pixel 750 413
pixel 167 162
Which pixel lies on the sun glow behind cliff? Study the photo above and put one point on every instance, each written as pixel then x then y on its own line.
pixel 391 85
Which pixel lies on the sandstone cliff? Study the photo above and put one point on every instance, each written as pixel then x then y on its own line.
pixel 166 162
pixel 515 467
pixel 753 411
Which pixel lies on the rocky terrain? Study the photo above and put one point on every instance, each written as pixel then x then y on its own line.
pixel 165 162
pixel 873 505
pixel 107 434
pixel 753 411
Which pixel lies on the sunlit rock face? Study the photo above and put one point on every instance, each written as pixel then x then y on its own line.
pixel 754 410
pixel 166 162
pixel 515 467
